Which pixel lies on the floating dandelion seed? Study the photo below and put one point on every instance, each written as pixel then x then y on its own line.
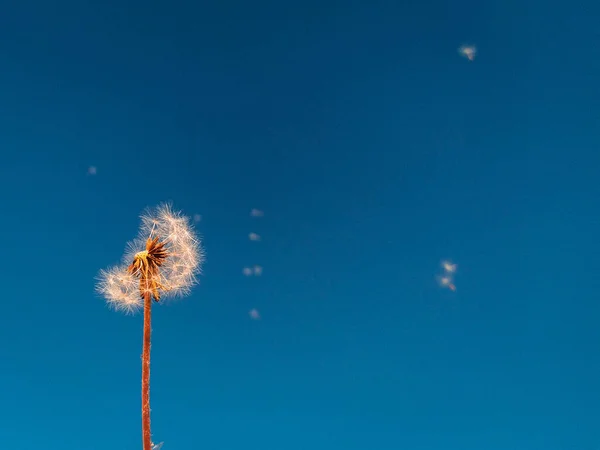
pixel 447 282
pixel 449 267
pixel 254 237
pixel 92 170
pixel 256 212
pixel 254 314
pixel 157 446
pixel 254 270
pixel 197 218
pixel 163 261
pixel 468 51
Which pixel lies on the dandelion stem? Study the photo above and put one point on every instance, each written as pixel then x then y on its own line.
pixel 146 436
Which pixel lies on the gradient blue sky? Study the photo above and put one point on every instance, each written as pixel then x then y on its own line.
pixel 375 151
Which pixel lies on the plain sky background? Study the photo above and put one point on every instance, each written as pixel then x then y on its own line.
pixel 375 151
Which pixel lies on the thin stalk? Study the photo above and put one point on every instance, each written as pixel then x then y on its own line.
pixel 146 435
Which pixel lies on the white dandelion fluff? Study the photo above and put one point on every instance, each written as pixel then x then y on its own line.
pixel 449 267
pixel 446 282
pixel 168 232
pixel 468 51
pixel 178 274
pixel 120 289
pixel 254 237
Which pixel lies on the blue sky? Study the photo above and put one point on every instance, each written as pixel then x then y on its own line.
pixel 375 151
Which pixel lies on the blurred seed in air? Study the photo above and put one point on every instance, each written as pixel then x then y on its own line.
pixel 468 51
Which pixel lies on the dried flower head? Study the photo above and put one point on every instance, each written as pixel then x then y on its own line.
pixel 146 267
pixel 163 261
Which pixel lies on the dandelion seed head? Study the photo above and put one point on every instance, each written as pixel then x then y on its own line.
pixel 164 261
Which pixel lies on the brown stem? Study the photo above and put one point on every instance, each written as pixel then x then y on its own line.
pixel 146 436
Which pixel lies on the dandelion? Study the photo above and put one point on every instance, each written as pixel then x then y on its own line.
pixel 254 237
pixel 258 270
pixel 247 271
pixel 163 261
pixel 254 314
